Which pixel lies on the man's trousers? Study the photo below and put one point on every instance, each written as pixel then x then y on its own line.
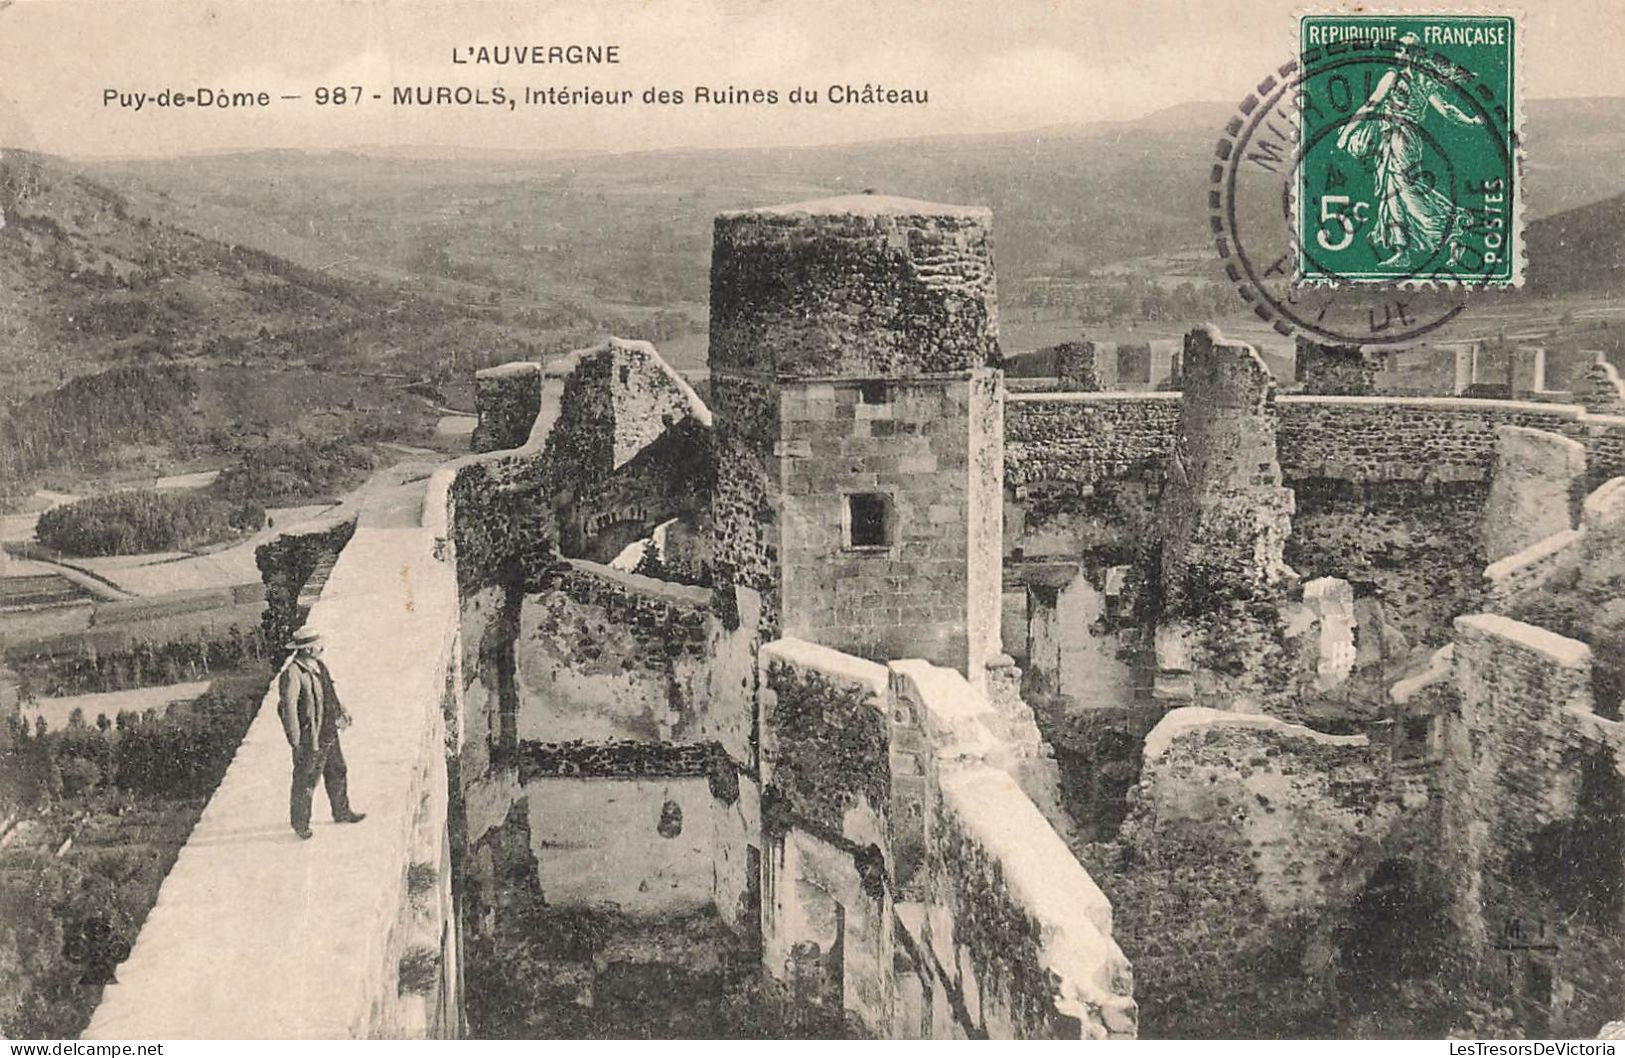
pixel 324 762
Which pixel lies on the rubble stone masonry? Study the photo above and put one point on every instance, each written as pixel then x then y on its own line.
pixel 1228 514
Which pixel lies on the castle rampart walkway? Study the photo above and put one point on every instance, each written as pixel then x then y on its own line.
pixel 257 934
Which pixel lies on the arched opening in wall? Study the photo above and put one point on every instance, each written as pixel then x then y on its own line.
pixel 815 968
pixel 1393 956
pixel 1396 931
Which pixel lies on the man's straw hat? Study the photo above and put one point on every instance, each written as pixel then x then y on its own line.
pixel 305 638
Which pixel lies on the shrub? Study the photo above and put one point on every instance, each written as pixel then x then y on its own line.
pixel 135 522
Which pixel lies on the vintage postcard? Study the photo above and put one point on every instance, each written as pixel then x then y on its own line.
pixel 761 519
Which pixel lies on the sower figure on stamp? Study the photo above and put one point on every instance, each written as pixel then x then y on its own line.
pixel 312 718
pixel 1414 218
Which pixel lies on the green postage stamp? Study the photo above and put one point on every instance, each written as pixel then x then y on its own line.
pixel 1408 151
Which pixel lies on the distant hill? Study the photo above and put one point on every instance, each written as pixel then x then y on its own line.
pixel 1580 251
pixel 95 277
pixel 625 238
pixel 129 345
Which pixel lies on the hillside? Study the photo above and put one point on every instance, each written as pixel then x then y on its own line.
pixel 1580 251
pixel 96 277
pixel 131 346
pixel 627 235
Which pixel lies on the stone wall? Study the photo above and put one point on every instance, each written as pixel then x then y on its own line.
pixel 1512 764
pixel 1382 439
pixel 1246 842
pixel 1510 578
pixel 671 478
pixel 1600 388
pixel 287 566
pixel 1390 491
pixel 618 397
pixel 824 741
pixel 743 523
pixel 1089 437
pixel 628 450
pixel 1226 513
pixel 642 846
pixel 602 655
pixel 492 511
pixel 1342 370
pixel 1085 439
pixel 900 840
pixel 1602 555
pixel 1534 487
pixel 507 399
pixel 861 286
pixel 998 914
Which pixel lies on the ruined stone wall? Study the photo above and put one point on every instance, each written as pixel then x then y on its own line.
pixel 601 655
pixel 507 399
pixel 1605 448
pixel 1509 579
pixel 744 524
pixel 1535 486
pixel 1246 842
pixel 642 846
pixel 1602 554
pixel 1512 763
pixel 1078 367
pixel 628 450
pixel 1227 514
pixel 619 397
pixel 671 478
pixel 1412 549
pixel 824 742
pixel 1012 933
pixel 1390 492
pixel 1600 389
pixel 1345 370
pixel 1382 439
pixel 1088 438
pixel 287 564
pixel 1307 810
pixel 826 787
pixel 899 838
pixel 861 286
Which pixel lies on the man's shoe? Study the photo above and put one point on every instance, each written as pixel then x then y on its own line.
pixel 350 817
pixel 304 833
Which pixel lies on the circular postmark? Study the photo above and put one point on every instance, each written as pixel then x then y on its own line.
pixel 1337 212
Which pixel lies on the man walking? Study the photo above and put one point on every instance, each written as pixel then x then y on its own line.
pixel 312 718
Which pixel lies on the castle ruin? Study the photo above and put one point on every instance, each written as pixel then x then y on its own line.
pixel 935 706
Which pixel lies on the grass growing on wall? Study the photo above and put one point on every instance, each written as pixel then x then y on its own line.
pixel 834 745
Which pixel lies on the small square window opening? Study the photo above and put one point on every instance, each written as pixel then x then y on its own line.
pixel 868 522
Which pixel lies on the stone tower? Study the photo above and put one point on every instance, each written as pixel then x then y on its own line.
pixel 859 424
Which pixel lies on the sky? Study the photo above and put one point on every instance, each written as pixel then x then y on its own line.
pixel 988 66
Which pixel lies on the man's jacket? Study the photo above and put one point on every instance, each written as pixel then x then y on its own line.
pixel 308 705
